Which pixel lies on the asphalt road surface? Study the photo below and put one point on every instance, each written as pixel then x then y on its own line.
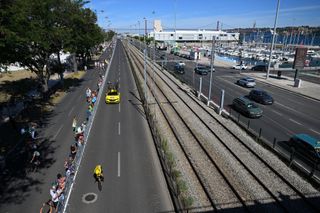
pixel 121 142
pixel 25 192
pixel 290 114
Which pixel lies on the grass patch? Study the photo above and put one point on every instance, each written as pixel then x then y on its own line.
pixel 15 84
pixel 71 80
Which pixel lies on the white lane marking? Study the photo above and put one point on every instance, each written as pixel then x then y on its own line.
pixel 54 137
pixel 288 107
pixel 288 130
pixel 119 128
pixel 70 112
pixel 314 131
pixel 119 108
pixel 294 121
pixel 118 164
pixel 277 112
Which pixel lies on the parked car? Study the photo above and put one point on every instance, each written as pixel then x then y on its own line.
pixel 246 107
pixel 201 70
pixel 261 67
pixel 306 146
pixel 240 67
pixel 179 68
pixel 261 96
pixel 246 82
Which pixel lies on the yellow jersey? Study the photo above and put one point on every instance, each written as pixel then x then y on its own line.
pixel 98 170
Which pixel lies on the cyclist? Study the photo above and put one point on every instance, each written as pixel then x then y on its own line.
pixel 98 173
pixel 35 161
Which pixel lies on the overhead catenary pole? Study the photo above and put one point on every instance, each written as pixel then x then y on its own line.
pixel 273 36
pixel 212 63
pixel 145 75
pixel 139 35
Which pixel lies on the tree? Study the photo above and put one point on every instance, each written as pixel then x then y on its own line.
pixel 32 31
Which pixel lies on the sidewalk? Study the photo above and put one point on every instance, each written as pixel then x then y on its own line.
pixel 308 89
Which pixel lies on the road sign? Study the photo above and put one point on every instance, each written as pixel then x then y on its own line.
pixel 300 57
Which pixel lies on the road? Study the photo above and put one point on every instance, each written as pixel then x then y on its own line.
pixel 290 114
pixel 121 142
pixel 27 191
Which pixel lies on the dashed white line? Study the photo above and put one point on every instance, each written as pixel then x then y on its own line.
pixel 314 131
pixel 70 112
pixel 119 128
pixel 118 164
pixel 294 121
pixel 277 112
pixel 54 137
pixel 119 108
pixel 288 107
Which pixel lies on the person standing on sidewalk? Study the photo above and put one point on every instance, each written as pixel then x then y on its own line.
pixel 74 123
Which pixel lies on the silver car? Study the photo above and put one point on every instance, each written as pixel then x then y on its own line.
pixel 247 82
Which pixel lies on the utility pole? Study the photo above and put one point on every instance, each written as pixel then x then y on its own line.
pixel 273 36
pixel 211 62
pixel 139 35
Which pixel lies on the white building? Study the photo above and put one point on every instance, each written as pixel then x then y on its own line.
pixel 190 35
pixel 194 35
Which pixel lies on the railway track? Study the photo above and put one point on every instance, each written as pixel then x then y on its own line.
pixel 271 189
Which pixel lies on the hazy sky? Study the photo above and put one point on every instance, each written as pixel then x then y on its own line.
pixel 205 13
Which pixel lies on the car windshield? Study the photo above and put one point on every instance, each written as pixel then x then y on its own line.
pixel 250 80
pixel 252 106
pixel 113 93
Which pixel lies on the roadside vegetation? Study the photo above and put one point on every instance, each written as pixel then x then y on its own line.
pixel 34 33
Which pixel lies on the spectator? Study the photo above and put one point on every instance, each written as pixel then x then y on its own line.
pixel 55 194
pixel 61 181
pixel 74 123
pixel 73 151
pixel 88 92
pixel 80 140
pixel 94 99
pixel 89 111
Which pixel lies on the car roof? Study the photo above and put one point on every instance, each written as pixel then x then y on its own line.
pixel 308 139
pixel 248 78
pixel 244 99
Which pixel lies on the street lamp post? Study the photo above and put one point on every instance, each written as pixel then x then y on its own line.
pixel 273 37
pixel 211 62
pixel 139 35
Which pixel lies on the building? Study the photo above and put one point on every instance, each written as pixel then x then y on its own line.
pixel 190 35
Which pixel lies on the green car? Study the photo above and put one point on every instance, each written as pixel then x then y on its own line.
pixel 247 107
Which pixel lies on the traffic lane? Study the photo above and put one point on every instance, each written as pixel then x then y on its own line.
pixel 141 171
pixel 101 149
pixel 285 109
pixel 291 122
pixel 131 190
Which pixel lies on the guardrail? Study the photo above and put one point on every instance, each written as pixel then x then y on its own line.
pixel 63 200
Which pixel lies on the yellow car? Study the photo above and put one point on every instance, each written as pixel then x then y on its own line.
pixel 113 96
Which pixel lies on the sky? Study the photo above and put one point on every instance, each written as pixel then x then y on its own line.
pixel 204 14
